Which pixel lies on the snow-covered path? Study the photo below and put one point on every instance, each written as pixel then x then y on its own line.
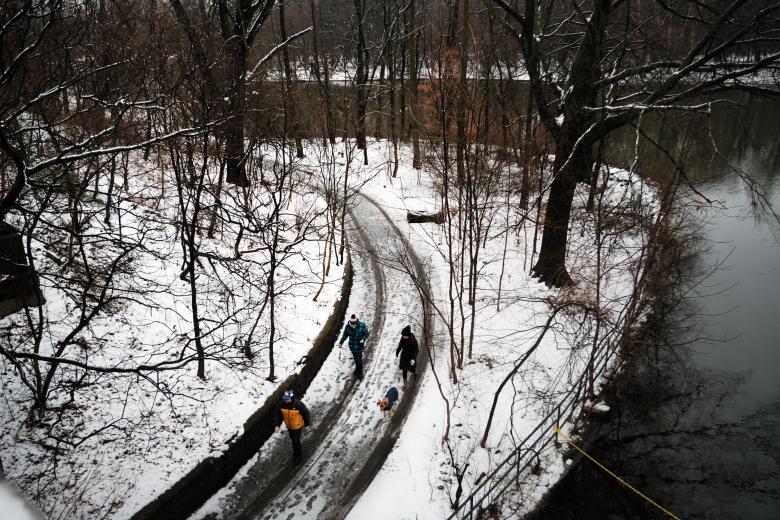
pixel 350 439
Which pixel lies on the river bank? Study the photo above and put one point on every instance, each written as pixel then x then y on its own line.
pixel 696 414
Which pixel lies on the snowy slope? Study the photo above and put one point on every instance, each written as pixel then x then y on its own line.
pixel 419 477
pixel 134 436
pixel 162 437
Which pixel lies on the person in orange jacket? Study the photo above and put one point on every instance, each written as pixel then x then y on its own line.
pixel 295 416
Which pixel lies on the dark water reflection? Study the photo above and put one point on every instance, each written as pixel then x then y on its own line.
pixel 697 424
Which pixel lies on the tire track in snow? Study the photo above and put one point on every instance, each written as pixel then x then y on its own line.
pixel 352 407
pixel 350 440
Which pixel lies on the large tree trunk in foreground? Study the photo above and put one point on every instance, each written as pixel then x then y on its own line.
pixel 550 268
pixel 573 159
pixel 570 167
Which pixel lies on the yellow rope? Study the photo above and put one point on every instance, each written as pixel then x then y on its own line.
pixel 629 486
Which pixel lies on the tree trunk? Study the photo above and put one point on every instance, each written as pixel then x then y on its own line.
pixel 461 100
pixel 217 195
pixel 324 85
pixel 234 127
pixel 110 190
pixel 393 101
pixel 528 150
pixel 573 160
pixel 194 300
pixel 411 29
pixel 290 99
pixel 189 232
pixel 380 102
pixel 594 176
pixel 550 268
pixel 447 167
pixel 272 316
pixel 361 78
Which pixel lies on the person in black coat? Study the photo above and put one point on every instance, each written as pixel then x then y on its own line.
pixel 408 348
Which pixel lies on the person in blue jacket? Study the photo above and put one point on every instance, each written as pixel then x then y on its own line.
pixel 357 332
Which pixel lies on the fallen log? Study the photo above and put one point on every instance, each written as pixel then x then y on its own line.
pixel 419 217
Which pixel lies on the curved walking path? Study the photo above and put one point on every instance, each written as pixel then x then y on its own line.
pixel 349 440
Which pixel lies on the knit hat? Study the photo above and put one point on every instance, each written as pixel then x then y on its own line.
pixel 353 320
pixel 288 395
pixel 406 331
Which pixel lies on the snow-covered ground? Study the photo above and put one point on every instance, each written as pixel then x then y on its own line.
pixel 418 479
pixel 13 506
pixel 163 438
pixel 347 424
pixel 122 439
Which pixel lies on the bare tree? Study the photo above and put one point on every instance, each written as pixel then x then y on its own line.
pixel 238 25
pixel 599 66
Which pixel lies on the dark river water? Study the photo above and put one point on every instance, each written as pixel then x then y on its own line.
pixel 696 424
